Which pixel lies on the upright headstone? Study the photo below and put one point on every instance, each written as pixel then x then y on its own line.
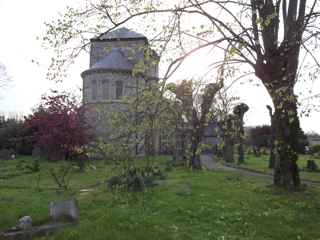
pixel 64 210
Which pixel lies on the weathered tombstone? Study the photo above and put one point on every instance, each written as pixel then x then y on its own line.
pixel 25 223
pixel 59 211
pixel 312 166
pixel 64 210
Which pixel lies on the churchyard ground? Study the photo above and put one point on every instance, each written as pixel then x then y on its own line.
pixel 260 163
pixel 186 205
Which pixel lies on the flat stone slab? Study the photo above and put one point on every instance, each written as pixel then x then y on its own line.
pixel 39 231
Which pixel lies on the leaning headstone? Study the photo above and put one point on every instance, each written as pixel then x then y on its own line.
pixel 25 223
pixel 312 166
pixel 65 210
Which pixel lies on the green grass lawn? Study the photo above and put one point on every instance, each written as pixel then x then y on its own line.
pixel 261 164
pixel 187 205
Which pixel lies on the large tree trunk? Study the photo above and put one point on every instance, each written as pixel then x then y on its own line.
pixel 279 79
pixel 195 157
pixel 286 130
pixel 272 155
pixel 228 139
pixel 241 153
pixel 277 67
pixel 228 150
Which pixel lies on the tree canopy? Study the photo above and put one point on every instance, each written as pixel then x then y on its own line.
pixel 59 127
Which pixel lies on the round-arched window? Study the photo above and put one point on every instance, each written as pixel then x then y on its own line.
pixel 119 89
pixel 105 89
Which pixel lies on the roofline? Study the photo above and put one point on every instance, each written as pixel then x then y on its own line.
pixel 119 39
pixel 104 70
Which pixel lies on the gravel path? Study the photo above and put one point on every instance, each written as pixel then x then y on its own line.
pixel 208 163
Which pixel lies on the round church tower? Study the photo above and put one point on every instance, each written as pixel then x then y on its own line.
pixel 120 62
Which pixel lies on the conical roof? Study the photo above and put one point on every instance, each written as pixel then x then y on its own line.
pixel 120 33
pixel 114 60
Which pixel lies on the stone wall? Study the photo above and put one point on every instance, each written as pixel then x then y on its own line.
pixel 129 84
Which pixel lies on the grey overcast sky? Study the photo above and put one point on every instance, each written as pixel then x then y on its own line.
pixel 22 21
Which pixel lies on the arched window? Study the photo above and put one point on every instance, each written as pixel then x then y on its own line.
pixel 94 90
pixel 119 89
pixel 105 89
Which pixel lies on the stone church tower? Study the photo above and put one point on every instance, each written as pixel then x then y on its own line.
pixel 120 62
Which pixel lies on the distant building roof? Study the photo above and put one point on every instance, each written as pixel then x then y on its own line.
pixel 120 33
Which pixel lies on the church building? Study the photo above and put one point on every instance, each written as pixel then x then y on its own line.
pixel 121 61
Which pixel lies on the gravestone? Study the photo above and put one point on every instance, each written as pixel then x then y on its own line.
pixel 25 223
pixel 64 210
pixel 58 211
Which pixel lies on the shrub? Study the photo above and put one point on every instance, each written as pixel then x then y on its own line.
pixel 312 166
pixel 131 180
pixel 136 179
